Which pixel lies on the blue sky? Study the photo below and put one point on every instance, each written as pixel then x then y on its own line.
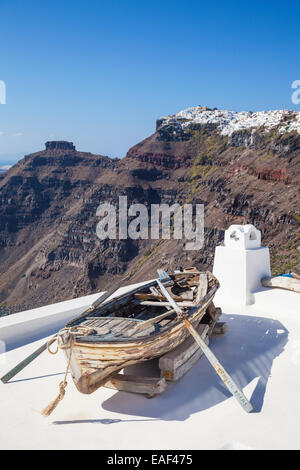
pixel 99 73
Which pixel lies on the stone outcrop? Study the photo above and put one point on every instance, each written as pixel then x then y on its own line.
pixel 59 145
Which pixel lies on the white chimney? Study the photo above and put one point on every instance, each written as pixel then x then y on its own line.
pixel 240 265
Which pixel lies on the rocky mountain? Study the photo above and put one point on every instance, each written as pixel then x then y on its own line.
pixel 244 167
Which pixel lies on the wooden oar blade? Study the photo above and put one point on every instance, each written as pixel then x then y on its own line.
pixel 227 380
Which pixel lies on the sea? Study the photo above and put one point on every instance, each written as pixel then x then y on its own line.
pixel 4 168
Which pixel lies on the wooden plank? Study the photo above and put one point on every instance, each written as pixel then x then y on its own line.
pixel 104 326
pixel 185 303
pixel 175 358
pixel 202 287
pixel 115 321
pixel 124 328
pixel 282 282
pixel 183 274
pixel 154 290
pixel 146 332
pixel 176 374
pixel 97 321
pixel 185 296
pixel 213 312
pixel 125 325
pixel 131 383
pixel 217 313
pixel 150 321
pixel 220 328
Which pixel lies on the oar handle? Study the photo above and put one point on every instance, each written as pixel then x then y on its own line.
pixel 25 362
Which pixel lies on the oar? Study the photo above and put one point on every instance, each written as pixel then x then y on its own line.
pixel 228 381
pixel 42 348
pixel 144 324
pixel 25 362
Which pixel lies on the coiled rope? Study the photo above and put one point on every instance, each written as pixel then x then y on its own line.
pixel 75 330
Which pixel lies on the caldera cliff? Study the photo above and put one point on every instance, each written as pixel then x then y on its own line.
pixel 244 167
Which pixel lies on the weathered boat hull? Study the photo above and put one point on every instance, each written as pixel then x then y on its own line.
pixel 93 363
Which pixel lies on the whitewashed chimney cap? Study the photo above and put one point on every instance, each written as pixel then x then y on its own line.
pixel 242 237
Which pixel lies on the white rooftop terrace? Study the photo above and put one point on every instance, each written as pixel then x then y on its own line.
pixel 261 351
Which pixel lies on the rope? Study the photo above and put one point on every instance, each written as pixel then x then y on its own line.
pixel 52 340
pixel 84 330
pixel 62 385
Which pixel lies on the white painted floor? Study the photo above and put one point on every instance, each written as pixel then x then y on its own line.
pixel 261 350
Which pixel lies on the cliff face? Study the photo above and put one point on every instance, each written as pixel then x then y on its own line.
pixel 244 168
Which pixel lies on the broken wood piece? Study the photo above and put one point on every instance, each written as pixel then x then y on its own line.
pixel 283 282
pixel 134 384
pixel 202 287
pixel 178 298
pixel 213 312
pixel 185 303
pixel 212 323
pixel 220 328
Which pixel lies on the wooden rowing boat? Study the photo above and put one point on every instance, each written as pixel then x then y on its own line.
pixel 136 326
